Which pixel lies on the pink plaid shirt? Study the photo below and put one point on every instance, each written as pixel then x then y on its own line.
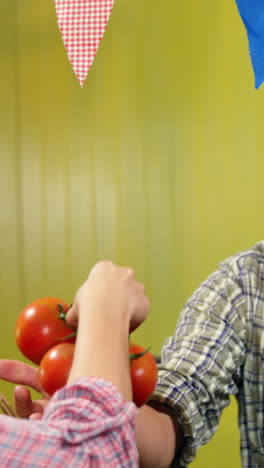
pixel 86 424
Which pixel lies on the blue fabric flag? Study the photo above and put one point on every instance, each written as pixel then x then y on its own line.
pixel 252 14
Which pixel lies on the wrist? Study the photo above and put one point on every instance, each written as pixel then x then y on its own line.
pixel 104 309
pixel 102 346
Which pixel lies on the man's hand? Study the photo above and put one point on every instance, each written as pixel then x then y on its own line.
pixel 23 374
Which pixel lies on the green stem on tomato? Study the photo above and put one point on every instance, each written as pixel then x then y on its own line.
pixel 68 337
pixel 138 355
pixel 62 316
pixel 62 313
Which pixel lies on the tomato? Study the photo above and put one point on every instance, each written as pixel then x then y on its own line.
pixel 39 327
pixel 144 374
pixel 55 367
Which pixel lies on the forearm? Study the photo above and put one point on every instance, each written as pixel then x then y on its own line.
pixel 158 438
pixel 102 348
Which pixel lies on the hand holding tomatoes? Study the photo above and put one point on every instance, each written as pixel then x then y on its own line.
pixel 116 286
pixel 44 337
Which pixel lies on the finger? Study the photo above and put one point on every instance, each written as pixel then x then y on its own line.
pixel 25 406
pixel 128 271
pixel 23 402
pixel 36 416
pixel 142 311
pixel 20 373
pixel 72 315
pixel 39 406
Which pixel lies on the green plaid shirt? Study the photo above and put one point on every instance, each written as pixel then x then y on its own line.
pixel 217 351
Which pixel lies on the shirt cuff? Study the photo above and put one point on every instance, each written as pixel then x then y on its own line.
pixel 88 406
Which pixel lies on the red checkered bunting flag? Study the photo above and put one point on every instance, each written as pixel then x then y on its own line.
pixel 82 25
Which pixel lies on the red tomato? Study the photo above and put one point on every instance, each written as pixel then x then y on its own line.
pixel 55 367
pixel 144 374
pixel 56 364
pixel 39 327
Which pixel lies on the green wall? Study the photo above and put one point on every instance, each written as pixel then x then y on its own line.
pixel 157 163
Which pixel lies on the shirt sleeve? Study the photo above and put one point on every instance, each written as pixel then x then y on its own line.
pixel 87 423
pixel 201 363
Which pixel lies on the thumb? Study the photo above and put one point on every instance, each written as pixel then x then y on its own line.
pixel 73 315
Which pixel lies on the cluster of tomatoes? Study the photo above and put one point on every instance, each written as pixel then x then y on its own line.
pixel 45 338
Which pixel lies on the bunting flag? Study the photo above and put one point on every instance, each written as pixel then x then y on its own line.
pixel 82 25
pixel 252 14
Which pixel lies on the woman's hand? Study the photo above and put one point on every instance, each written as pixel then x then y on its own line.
pixel 109 287
pixel 24 374
pixel 109 305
